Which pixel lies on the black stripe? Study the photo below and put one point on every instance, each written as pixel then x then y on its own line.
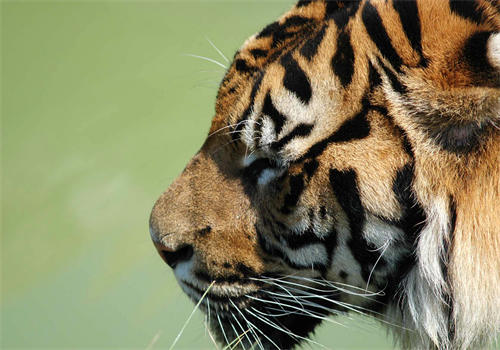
pixel 394 81
pixel 379 36
pixel 293 21
pixel 301 240
pixel 345 188
pixel 297 186
pixel 374 77
pixel 258 53
pixel 271 111
pixel 410 20
pixel 303 3
pixel 343 60
pixel 468 10
pixel 406 142
pixel 272 250
pixel 242 66
pixel 281 33
pixel 245 270
pixel 255 88
pixel 332 7
pixel 310 167
pixel 295 79
pixel 342 15
pixel 301 130
pixel 355 128
pixel 310 47
pixel 268 30
pixel 448 244
pixel 253 171
pixel 413 216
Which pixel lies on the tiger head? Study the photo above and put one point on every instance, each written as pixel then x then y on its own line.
pixel 352 166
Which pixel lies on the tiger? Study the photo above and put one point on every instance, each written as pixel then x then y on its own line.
pixel 352 166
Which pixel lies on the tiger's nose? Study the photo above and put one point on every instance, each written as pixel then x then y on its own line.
pixel 174 257
pixel 173 251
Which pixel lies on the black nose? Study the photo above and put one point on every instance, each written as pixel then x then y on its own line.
pixel 184 253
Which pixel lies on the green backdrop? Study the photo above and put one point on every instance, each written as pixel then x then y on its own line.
pixel 101 110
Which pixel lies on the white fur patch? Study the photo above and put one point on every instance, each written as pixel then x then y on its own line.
pixel 494 50
pixel 267 135
pixel 425 284
pixel 313 254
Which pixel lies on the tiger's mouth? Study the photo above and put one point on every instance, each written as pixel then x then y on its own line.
pixel 278 313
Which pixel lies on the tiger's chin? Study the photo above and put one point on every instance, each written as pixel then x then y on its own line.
pixel 265 331
pixel 277 314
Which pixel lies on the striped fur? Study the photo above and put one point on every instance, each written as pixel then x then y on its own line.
pixel 356 147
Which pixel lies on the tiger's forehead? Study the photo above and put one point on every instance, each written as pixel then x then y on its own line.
pixel 314 40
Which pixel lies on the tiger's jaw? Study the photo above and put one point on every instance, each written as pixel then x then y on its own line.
pixel 269 312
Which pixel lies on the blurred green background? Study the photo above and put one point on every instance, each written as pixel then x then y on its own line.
pixel 101 110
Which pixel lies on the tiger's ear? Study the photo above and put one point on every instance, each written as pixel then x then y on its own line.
pixel 460 104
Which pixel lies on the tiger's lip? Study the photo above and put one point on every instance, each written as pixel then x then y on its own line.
pixel 218 302
pixel 219 297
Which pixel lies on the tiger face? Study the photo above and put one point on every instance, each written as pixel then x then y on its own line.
pixel 349 141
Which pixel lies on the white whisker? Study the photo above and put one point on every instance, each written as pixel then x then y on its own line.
pixel 222 329
pixel 206 59
pixel 284 330
pixel 257 329
pixel 216 49
pixel 243 329
pixel 386 244
pixel 238 338
pixel 191 315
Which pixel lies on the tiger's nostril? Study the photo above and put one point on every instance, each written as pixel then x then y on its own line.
pixel 184 253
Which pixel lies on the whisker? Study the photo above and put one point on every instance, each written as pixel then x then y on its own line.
pixel 284 330
pixel 286 290
pixel 350 307
pixel 285 313
pixel 216 49
pixel 251 329
pixel 354 308
pixel 238 338
pixel 222 329
pixel 231 126
pixel 208 310
pixel 206 59
pixel 387 244
pixel 191 315
pixel 335 286
pixel 304 311
pixel 243 329
pixel 224 145
pixel 212 338
pixel 154 340
pixel 272 324
pixel 257 329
